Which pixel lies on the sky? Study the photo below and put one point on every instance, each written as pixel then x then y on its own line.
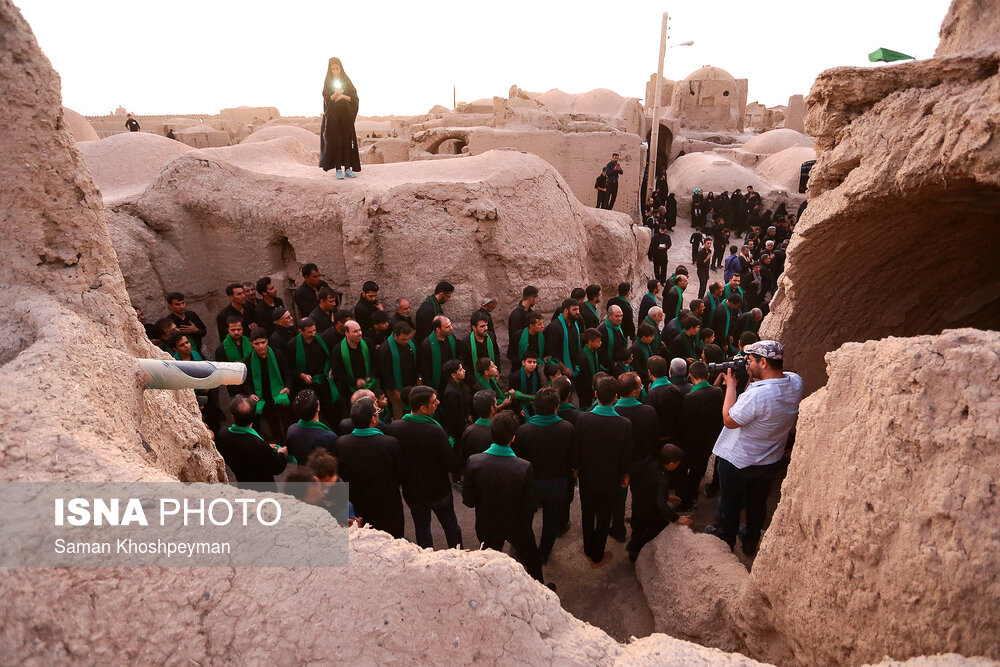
pixel 187 57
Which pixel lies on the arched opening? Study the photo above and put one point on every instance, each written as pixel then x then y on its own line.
pixel 928 266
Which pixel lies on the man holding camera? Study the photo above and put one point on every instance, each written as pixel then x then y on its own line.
pixel 751 445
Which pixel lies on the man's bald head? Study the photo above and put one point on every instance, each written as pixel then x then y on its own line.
pixel 616 315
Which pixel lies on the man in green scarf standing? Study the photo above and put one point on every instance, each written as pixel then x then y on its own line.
pixel 478 345
pixel 500 487
pixel 248 455
pixel 649 298
pixel 613 337
pixel 234 347
pixel 268 379
pixel 428 458
pixel 312 368
pixel 673 299
pixel 589 308
pixel 397 364
pixel 353 363
pixel 563 337
pixel 431 308
pixel 435 351
pixel 530 338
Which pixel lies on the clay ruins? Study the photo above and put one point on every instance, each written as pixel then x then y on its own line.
pixel 884 544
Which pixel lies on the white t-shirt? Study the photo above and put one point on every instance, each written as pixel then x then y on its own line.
pixel 768 410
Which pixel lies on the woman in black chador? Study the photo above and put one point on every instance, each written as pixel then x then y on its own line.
pixel 338 144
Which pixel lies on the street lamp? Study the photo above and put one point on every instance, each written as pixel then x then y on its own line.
pixel 654 139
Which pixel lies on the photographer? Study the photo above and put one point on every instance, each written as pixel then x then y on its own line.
pixel 752 443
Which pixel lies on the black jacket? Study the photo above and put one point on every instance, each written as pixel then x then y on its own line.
pixel 645 429
pixel 373 466
pixel 603 451
pixel 500 488
pixel 628 322
pixel 301 441
pixel 476 439
pixel 700 420
pixel 427 460
pixel 407 365
pixel 251 459
pixel 549 449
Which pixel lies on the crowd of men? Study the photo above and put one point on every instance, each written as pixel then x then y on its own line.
pixel 597 397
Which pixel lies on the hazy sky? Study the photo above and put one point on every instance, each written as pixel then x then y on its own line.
pixel 188 57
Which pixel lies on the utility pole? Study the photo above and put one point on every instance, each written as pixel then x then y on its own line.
pixel 454 102
pixel 654 139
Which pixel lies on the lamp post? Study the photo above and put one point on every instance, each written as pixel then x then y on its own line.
pixel 654 139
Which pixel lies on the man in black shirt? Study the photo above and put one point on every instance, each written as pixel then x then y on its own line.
pixel 188 322
pixel 563 337
pixel 237 306
pixel 367 306
pixel 658 252
pixel 602 455
pixel 651 499
pixel 431 308
pixel 628 317
pixel 700 425
pixel 648 299
pixel 601 185
pixel 477 437
pixel 235 346
pixel 454 399
pixel 500 487
pixel 613 169
pixel 397 364
pixel 428 458
pixel 589 308
pixel 517 320
pixel 402 314
pixel 435 351
pixel 352 362
pixel 307 294
pixel 268 381
pixel 132 125
pixel 310 357
pixel 309 433
pixel 283 329
pixel 268 302
pixel 252 460
pixel 326 306
pixel 546 442
pixel 645 438
pixel 372 464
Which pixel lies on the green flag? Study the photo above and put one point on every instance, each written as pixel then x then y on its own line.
pixel 887 56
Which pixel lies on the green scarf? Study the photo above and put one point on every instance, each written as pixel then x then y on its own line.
pixel 566 406
pixel 627 402
pixel 194 355
pixel 677 379
pixel 345 354
pixel 566 359
pixel 653 297
pixel 729 320
pixel 420 419
pixel 365 432
pixel 726 292
pixel 752 324
pixel 710 305
pixel 491 385
pixel 499 450
pixel 397 368
pixel 319 378
pixel 605 410
pixel 690 344
pixel 544 420
pixel 646 352
pixel 522 345
pixel 234 353
pixel 659 382
pixel 483 421
pixel 244 429
pixel 318 425
pixel 475 354
pixel 593 309
pixel 611 328
pixel 435 346
pixel 434 304
pixel 273 373
pixel 680 300
pixel 703 383
pixel 527 393
pixel 595 365
pixel 656 330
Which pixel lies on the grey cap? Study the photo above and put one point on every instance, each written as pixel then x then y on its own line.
pixel 769 349
pixel 487 300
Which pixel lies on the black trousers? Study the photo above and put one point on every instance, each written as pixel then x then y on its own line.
pixel 444 510
pixel 597 507
pixel 703 278
pixel 660 269
pixel 690 473
pixel 612 195
pixel 522 541
pixel 277 419
pixel 602 199
pixel 551 496
pixel 740 489
pixel 617 529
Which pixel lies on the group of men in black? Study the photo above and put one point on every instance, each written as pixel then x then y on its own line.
pixel 614 402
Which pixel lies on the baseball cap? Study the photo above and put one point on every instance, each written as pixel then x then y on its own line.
pixel 769 349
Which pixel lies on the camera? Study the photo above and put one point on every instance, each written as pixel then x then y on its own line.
pixel 737 364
